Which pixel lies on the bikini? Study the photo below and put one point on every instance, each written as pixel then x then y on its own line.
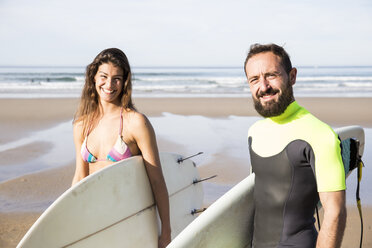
pixel 118 152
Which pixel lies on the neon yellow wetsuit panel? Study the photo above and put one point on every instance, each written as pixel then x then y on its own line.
pixel 272 135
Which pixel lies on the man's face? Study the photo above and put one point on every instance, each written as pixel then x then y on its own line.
pixel 270 85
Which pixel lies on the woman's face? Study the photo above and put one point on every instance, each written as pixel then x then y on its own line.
pixel 109 81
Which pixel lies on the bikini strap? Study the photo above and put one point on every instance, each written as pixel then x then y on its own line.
pixel 121 122
pixel 89 129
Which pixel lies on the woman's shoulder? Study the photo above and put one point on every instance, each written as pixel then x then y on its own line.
pixel 136 119
pixel 78 130
pixel 78 124
pixel 139 126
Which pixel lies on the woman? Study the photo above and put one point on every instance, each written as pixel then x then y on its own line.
pixel 105 110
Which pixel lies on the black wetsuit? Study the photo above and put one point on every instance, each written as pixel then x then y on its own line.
pixel 294 156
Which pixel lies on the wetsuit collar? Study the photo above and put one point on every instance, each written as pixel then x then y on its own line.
pixel 288 114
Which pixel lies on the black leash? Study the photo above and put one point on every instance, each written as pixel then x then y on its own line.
pixel 317 216
pixel 359 205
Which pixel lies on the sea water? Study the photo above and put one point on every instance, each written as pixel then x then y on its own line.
pixel 36 82
pixel 48 82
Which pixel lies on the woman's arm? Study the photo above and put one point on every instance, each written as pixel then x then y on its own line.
pixel 144 136
pixel 82 167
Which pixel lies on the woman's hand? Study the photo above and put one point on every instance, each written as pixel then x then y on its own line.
pixel 164 240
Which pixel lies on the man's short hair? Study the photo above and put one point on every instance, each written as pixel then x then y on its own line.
pixel 277 50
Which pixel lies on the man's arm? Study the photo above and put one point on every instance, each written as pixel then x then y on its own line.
pixel 334 221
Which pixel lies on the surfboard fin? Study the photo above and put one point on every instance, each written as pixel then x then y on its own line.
pixel 203 179
pixel 197 211
pixel 180 160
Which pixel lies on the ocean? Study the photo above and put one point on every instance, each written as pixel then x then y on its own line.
pixel 40 82
pixel 214 138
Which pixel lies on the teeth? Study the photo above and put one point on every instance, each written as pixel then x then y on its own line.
pixel 267 95
pixel 107 91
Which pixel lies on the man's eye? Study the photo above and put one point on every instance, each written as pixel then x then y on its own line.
pixel 253 81
pixel 272 76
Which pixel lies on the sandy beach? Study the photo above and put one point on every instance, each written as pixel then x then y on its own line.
pixel 23 197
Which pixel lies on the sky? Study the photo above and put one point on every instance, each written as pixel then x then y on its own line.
pixel 184 32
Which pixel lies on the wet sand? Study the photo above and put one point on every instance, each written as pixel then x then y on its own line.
pixel 28 195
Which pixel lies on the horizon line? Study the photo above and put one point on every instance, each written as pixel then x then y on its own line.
pixel 178 66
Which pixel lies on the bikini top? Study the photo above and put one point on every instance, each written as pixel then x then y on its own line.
pixel 118 152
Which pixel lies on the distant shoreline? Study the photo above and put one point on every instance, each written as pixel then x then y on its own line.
pixel 183 66
pixel 179 81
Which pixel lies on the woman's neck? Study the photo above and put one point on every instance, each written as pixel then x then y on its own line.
pixel 106 108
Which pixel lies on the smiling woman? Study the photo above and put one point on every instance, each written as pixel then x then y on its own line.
pixel 109 82
pixel 107 128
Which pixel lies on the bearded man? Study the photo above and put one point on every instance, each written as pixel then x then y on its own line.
pixel 296 159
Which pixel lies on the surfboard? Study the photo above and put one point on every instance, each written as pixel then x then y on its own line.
pixel 114 207
pixel 228 222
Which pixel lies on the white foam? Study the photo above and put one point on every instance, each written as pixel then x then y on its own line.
pixel 334 78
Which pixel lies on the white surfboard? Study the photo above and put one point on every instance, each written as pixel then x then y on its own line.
pixel 228 221
pixel 114 207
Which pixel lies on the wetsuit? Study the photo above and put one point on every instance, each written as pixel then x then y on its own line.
pixel 294 156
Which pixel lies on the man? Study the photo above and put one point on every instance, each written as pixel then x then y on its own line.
pixel 296 159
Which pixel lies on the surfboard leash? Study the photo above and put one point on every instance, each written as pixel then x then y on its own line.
pixel 317 216
pixel 359 204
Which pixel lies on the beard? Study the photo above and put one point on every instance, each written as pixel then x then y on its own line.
pixel 274 108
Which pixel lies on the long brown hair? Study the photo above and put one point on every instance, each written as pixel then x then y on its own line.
pixel 88 108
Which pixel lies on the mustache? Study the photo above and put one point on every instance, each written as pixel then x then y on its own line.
pixel 269 91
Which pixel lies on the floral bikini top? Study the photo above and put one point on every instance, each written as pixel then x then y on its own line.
pixel 119 152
